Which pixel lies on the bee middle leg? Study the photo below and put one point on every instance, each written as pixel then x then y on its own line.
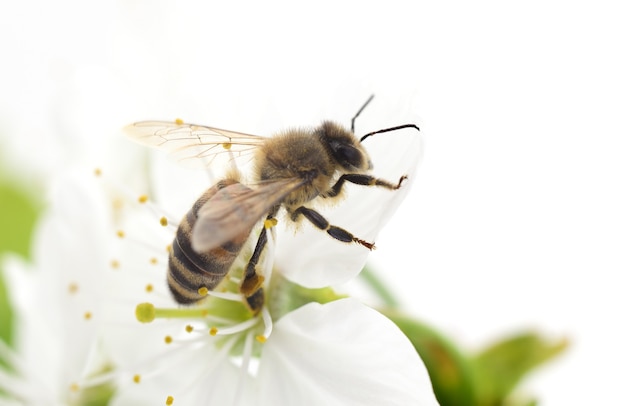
pixel 252 281
pixel 365 180
pixel 336 232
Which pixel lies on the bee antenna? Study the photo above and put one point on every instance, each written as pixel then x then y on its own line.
pixel 359 112
pixel 385 130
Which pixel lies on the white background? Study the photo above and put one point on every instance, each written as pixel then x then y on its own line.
pixel 516 219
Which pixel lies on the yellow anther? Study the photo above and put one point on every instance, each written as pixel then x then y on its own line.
pixel 163 221
pixel 149 288
pixel 203 291
pixel 87 315
pixel 154 261
pixel 269 223
pixel 72 288
pixel 261 338
pixel 168 339
pixel 169 401
pixel 189 328
pixel 137 378
pixel 227 145
pixel 74 387
pixel 179 121
pixel 143 198
pixel 168 248
pixel 213 331
pixel 97 171
pixel 121 234
pixel 115 264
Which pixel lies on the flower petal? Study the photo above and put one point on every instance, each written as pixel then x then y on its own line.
pixel 341 353
pixel 364 212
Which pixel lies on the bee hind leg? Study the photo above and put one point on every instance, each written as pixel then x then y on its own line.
pixel 336 232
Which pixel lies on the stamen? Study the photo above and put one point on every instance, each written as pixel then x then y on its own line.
pixel 203 291
pixel 227 145
pixel 234 329
pixel 149 288
pixel 115 264
pixel 235 297
pixel 121 234
pixel 154 261
pixel 168 339
pixel 87 315
pixel 142 199
pixel 269 223
pixel 179 121
pixel 213 331
pixel 163 221
pixel 169 401
pixel 97 171
pixel 72 288
pixel 137 378
pixel 269 325
pixel 189 328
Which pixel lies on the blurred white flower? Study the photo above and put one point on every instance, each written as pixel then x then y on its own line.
pixel 57 302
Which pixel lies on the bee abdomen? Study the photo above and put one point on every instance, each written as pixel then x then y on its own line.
pixel 188 270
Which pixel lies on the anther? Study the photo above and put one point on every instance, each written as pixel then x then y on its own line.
pixel 213 331
pixel 163 221
pixel 168 339
pixel 169 401
pixel 154 261
pixel 269 223
pixel 203 291
pixel 115 264
pixel 189 328
pixel 137 378
pixel 121 234
pixel 87 315
pixel 179 121
pixel 72 288
pixel 143 198
pixel 97 171
pixel 149 288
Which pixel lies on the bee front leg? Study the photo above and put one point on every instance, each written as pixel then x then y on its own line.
pixel 336 232
pixel 365 180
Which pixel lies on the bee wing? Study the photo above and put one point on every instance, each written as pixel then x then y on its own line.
pixel 192 144
pixel 235 209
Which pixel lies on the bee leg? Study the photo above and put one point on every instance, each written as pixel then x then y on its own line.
pixel 365 180
pixel 320 222
pixel 252 280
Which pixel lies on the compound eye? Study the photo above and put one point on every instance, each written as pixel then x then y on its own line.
pixel 349 156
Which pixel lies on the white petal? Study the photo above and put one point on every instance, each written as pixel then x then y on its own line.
pixel 341 353
pixel 192 375
pixel 314 259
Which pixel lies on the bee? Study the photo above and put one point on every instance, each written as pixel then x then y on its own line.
pixel 291 169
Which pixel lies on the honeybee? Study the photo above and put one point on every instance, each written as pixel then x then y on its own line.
pixel 291 169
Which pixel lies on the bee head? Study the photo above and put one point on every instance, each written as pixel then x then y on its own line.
pixel 344 147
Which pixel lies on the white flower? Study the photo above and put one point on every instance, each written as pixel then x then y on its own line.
pixel 294 350
pixel 57 301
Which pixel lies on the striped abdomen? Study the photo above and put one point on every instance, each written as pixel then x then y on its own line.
pixel 188 270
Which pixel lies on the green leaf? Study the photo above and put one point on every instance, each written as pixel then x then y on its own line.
pixel 450 372
pixel 18 214
pixel 501 367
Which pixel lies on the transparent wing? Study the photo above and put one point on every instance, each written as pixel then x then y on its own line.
pixel 235 209
pixel 194 145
